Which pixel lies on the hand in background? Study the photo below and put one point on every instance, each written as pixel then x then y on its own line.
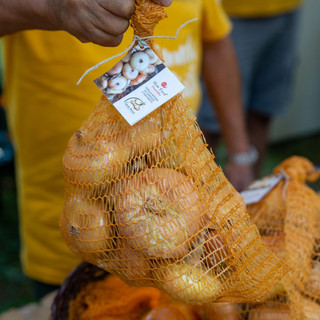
pixel 240 176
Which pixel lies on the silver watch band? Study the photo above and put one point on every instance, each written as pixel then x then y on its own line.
pixel 245 158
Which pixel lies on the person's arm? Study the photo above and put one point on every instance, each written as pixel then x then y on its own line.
pixel 222 79
pixel 99 21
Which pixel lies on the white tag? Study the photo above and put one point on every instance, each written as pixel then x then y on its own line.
pixel 259 189
pixel 138 84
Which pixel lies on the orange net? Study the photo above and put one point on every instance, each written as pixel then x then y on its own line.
pixel 112 299
pixel 149 204
pixel 288 219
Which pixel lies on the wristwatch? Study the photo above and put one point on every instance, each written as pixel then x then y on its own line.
pixel 245 158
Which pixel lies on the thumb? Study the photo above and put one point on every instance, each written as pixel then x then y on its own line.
pixel 164 3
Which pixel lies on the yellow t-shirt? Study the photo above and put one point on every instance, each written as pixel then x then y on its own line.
pixel 45 107
pixel 259 8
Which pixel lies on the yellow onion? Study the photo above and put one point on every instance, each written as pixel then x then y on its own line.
pixel 219 311
pixel 94 162
pixel 87 227
pixel 310 309
pixel 159 211
pixel 313 284
pixel 270 312
pixel 188 283
pixel 213 248
pixel 170 312
pixel 110 150
pixel 128 264
pixel 276 243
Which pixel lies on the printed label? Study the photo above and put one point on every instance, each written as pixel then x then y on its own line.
pixel 138 84
pixel 259 189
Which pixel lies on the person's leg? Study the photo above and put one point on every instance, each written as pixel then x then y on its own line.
pixel 258 130
pixel 273 83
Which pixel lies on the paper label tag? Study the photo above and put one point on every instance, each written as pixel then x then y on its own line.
pixel 138 84
pixel 259 189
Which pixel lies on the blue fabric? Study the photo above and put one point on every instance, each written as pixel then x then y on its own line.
pixel 266 51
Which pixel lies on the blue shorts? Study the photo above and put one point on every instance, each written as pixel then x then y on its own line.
pixel 266 51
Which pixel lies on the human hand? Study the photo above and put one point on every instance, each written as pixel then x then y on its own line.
pixel 164 3
pixel 240 176
pixel 99 21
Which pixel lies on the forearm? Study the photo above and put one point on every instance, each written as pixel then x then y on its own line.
pixel 18 15
pixel 222 79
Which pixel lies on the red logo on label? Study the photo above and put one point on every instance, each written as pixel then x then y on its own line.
pixel 164 84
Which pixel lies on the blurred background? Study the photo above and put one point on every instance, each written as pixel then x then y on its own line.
pixel 296 133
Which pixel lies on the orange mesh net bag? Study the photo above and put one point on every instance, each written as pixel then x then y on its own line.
pixel 288 219
pixel 149 204
pixel 91 293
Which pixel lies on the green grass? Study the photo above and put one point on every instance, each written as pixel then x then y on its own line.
pixel 15 287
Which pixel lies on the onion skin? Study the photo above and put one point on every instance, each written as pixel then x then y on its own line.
pixel 271 312
pixel 129 72
pixel 214 249
pixel 170 312
pixel 219 311
pixel 139 61
pixel 139 79
pixel 159 212
pixel 116 69
pixel 92 163
pixel 87 228
pixel 128 264
pixel 189 283
pixel 313 284
pixel 275 243
pixel 153 57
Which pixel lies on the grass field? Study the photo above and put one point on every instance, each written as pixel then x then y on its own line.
pixel 15 288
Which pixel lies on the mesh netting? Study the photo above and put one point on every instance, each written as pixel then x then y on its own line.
pixel 288 220
pixel 109 298
pixel 149 204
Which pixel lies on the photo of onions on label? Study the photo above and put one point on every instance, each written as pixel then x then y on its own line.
pixel 134 69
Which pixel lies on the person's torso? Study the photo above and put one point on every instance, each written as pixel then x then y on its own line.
pixel 259 8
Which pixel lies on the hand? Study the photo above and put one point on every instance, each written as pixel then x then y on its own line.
pixel 99 21
pixel 164 3
pixel 240 176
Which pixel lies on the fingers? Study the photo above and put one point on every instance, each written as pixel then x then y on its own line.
pixel 123 9
pixel 102 22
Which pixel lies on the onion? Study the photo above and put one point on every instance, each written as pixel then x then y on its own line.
pixel 116 69
pixel 213 248
pixel 159 211
pixel 188 283
pixel 313 284
pixel 276 243
pixel 310 309
pixel 128 264
pixel 93 162
pixel 139 61
pixel 219 311
pixel 100 153
pixel 270 312
pixel 170 312
pixel 87 228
